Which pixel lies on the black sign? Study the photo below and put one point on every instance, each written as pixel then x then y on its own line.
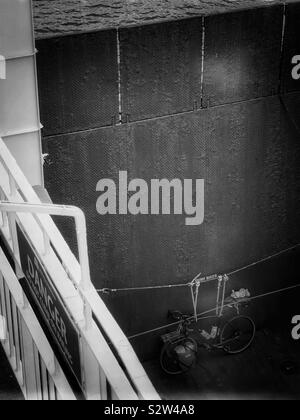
pixel 46 303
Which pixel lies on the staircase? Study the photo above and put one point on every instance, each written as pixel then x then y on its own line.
pixel 62 342
pixel 58 335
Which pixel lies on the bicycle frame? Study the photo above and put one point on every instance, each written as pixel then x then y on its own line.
pixel 184 331
pixel 234 336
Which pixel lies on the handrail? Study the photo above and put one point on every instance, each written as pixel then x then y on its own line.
pixel 66 211
pixel 21 196
pixel 89 330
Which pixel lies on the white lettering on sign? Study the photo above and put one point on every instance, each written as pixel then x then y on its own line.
pixel 157 198
pixel 46 299
pixel 2 67
pixel 296 69
pixel 296 329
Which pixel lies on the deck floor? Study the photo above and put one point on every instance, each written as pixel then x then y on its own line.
pixel 255 374
pixel 9 388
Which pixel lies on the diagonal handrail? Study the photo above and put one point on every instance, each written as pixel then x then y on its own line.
pixel 17 189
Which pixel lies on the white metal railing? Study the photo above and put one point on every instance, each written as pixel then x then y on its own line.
pixel 25 344
pixel 2 68
pixel 110 367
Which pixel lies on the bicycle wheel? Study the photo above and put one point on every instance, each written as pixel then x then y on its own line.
pixel 237 335
pixel 172 363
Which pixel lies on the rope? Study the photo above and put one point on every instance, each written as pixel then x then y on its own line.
pixel 275 292
pixel 195 285
pixel 170 286
pixel 201 315
pixel 225 280
pixel 264 260
pixel 292 119
pixel 107 290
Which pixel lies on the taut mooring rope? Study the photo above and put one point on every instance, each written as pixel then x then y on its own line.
pixel 170 286
pixel 201 315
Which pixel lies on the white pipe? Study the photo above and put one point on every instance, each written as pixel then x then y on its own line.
pixel 65 211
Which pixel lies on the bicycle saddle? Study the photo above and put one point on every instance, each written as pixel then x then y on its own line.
pixel 178 316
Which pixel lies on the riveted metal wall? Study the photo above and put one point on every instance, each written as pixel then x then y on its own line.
pixel 242 55
pixel 161 69
pixel 247 151
pixel 291 48
pixel 78 81
pixel 291 104
pixel 248 155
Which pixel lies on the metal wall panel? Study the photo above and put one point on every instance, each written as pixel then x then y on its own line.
pixel 78 81
pixel 161 69
pixel 16 32
pixel 242 55
pixel 291 106
pixel 248 154
pixel 291 48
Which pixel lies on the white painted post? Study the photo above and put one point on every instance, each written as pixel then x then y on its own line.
pixel 2 328
pixel 2 68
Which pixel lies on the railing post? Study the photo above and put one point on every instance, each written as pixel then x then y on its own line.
pixel 88 315
pixel 13 188
pixel 4 223
pixel 2 68
pixel 47 245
